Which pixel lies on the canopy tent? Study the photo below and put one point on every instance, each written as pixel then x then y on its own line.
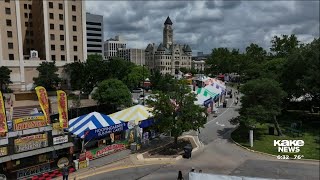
pixel 137 113
pixel 91 121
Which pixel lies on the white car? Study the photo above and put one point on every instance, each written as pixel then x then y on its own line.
pixel 137 90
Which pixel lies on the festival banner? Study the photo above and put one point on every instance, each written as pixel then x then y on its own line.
pixel 63 108
pixel 3 117
pixel 29 122
pixel 103 132
pixel 99 152
pixel 3 151
pixel 30 142
pixel 43 101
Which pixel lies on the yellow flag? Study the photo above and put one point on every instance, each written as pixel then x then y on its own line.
pixel 43 101
pixel 63 108
pixel 3 117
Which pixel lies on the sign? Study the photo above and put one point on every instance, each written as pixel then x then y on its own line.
pixel 3 117
pixel 63 162
pixel 29 122
pixel 102 132
pixel 3 151
pixel 29 171
pixel 82 164
pixel 288 146
pixel 62 108
pixel 43 101
pixel 60 139
pixel 96 153
pixel 30 142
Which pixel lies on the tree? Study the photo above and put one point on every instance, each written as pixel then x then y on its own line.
pixel 261 102
pixel 255 53
pixel 77 75
pixel 160 82
pixel 176 112
pixel 284 45
pixel 4 78
pixel 48 77
pixel 119 68
pixel 136 76
pixel 113 92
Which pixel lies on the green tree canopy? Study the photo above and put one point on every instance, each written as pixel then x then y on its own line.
pixel 77 74
pixel 48 77
pixel 284 45
pixel 136 76
pixel 113 92
pixel 176 111
pixel 261 102
pixel 162 82
pixel 4 78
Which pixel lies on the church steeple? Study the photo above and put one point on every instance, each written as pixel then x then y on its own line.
pixel 167 33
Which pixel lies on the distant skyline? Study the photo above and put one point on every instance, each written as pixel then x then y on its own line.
pixel 205 25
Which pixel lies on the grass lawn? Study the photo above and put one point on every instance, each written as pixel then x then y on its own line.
pixel 264 142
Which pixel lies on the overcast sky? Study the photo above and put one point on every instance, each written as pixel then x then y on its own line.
pixel 205 25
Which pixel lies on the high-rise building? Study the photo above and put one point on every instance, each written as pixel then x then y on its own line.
pixel 112 45
pixel 168 57
pixel 95 36
pixel 33 31
pixel 136 56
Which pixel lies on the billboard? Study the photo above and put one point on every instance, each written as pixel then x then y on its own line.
pixel 30 142
pixel 29 122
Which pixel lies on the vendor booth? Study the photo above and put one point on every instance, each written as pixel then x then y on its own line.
pixel 139 119
pixel 97 135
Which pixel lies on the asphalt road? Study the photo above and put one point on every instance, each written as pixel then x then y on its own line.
pixel 221 156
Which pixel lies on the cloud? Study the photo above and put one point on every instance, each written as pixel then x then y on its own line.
pixel 205 25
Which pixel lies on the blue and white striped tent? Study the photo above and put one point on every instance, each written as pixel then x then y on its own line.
pixel 94 120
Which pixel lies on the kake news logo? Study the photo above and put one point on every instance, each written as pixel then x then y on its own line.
pixel 288 146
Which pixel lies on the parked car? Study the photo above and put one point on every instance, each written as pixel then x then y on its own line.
pixel 137 90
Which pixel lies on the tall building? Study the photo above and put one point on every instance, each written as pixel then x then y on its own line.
pixel 33 31
pixel 136 56
pixel 112 45
pixel 95 36
pixel 168 57
pixel 199 61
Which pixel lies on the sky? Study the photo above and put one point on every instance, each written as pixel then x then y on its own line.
pixel 205 25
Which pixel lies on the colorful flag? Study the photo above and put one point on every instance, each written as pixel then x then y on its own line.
pixel 44 102
pixel 3 117
pixel 63 108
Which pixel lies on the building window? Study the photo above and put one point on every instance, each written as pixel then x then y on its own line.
pixel 31 33
pixel 52 37
pixel 50 4
pixel 8 11
pixel 9 34
pixel 74 28
pixel 51 15
pixel 51 26
pixel 53 47
pixel 74 18
pixel 10 45
pixel 61 27
pixel 25 6
pixel 75 48
pixel 75 38
pixel 60 6
pixel 62 47
pixel 30 15
pixel 31 41
pixel 73 8
pixel 11 56
pixel 26 15
pixel 63 58
pixel 30 6
pixel 53 57
pixel 9 22
pixel 7 1
pixel 61 16
pixel 75 58
pixel 61 37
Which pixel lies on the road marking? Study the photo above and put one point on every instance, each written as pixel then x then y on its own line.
pixel 212 120
pixel 219 124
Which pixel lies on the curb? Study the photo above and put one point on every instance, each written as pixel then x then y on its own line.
pixel 263 153
pixel 171 160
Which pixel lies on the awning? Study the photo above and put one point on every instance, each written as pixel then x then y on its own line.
pixel 5 159
pixel 94 120
pixel 137 113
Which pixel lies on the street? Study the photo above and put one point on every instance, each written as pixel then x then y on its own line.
pixel 221 156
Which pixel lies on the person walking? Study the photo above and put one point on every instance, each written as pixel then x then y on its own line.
pixel 65 172
pixel 180 176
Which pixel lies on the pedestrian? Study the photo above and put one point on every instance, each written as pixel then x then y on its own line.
pixel 192 170
pixel 180 176
pixel 65 172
